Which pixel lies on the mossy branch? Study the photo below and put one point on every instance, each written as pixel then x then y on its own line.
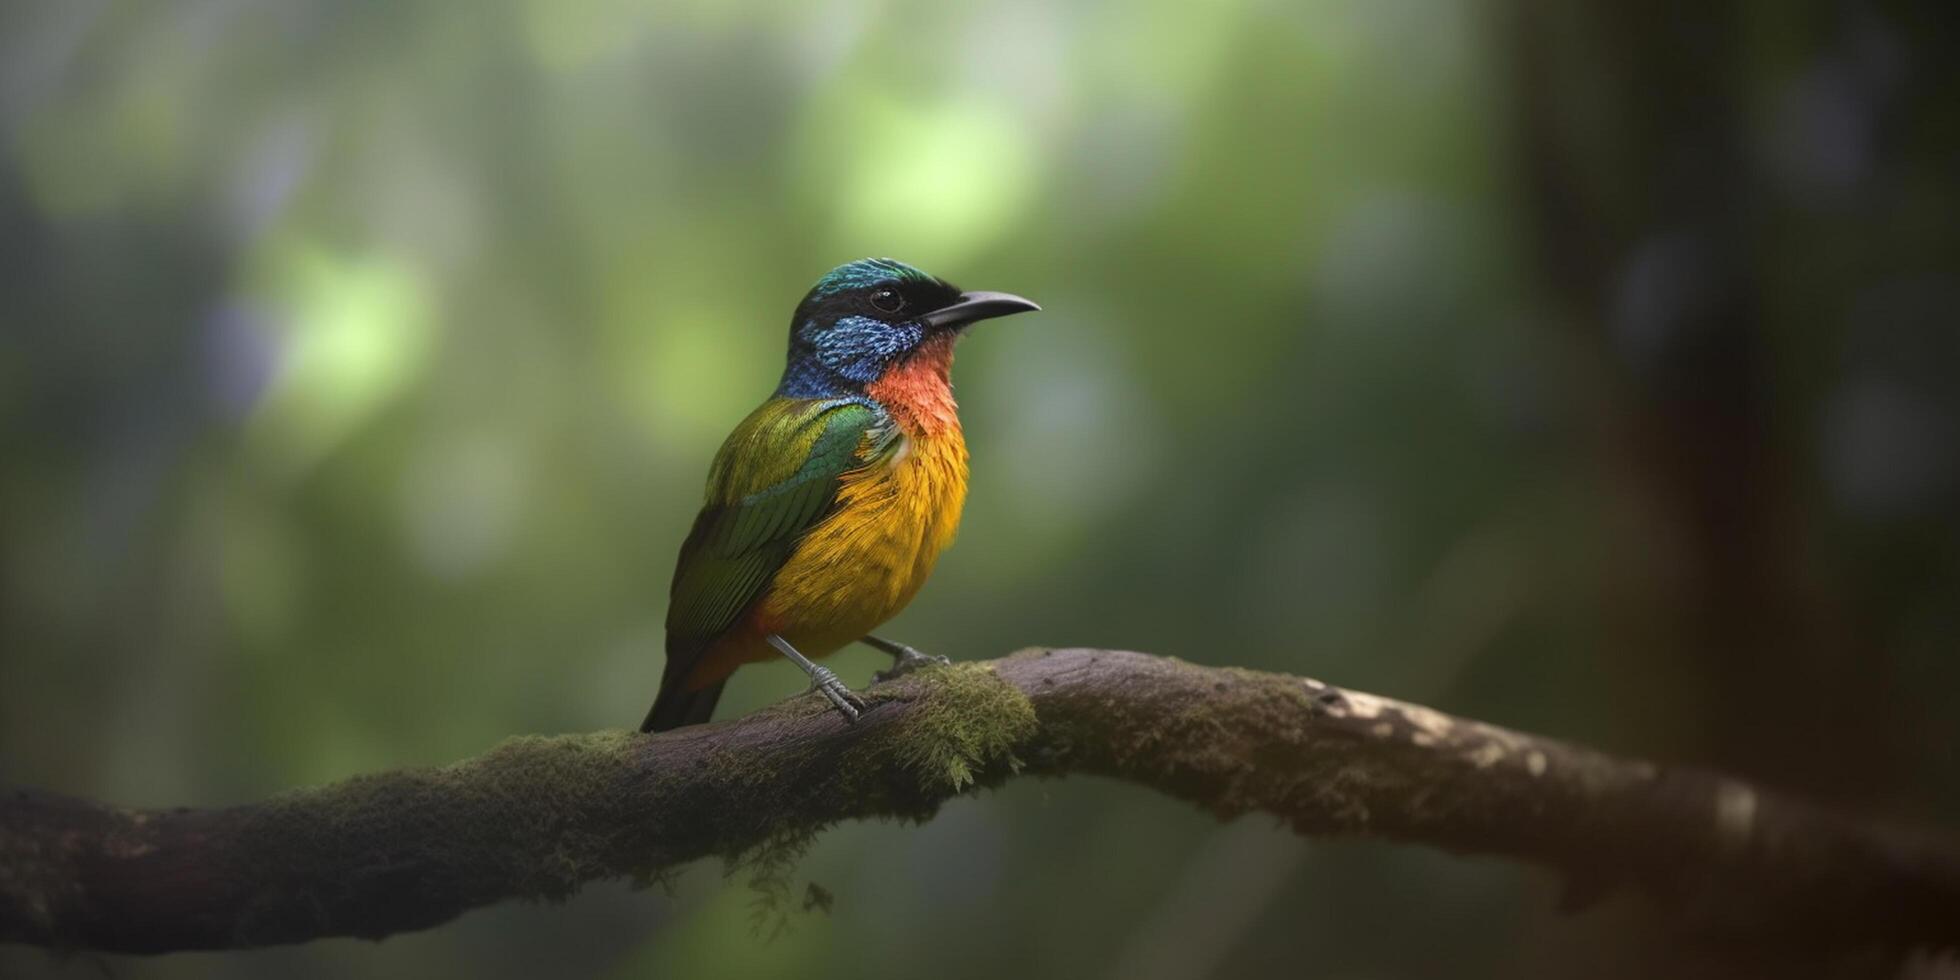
pixel 538 817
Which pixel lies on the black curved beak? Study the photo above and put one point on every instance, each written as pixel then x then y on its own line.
pixel 975 306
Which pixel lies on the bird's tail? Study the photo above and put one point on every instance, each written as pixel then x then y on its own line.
pixel 675 706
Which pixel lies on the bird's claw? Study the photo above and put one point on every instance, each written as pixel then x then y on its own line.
pixel 907 660
pixel 825 680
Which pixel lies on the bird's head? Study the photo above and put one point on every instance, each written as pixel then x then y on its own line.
pixel 863 318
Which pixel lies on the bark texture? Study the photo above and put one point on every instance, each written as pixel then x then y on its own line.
pixel 537 817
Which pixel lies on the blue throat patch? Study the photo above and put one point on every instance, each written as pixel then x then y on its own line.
pixel 841 360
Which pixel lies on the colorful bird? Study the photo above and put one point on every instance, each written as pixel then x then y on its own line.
pixel 828 506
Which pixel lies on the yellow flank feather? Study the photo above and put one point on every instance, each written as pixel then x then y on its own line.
pixel 865 562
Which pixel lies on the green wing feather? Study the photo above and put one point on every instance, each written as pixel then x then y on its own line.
pixel 774 479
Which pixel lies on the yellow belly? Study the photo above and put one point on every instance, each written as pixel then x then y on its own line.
pixel 866 561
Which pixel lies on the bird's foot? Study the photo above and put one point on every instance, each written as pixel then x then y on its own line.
pixel 906 660
pixel 825 680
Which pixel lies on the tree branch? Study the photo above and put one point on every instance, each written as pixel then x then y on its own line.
pixel 538 817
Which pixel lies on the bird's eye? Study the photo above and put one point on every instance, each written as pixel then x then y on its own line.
pixel 887 300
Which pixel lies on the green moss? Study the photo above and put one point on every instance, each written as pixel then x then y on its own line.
pixel 961 721
pixel 537 817
pixel 524 811
pixel 771 867
pixel 969 720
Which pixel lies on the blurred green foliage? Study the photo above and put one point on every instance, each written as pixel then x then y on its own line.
pixel 362 362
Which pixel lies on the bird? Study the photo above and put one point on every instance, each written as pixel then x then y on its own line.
pixel 827 507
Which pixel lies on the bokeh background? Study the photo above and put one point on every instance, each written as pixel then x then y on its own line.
pixel 1589 367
